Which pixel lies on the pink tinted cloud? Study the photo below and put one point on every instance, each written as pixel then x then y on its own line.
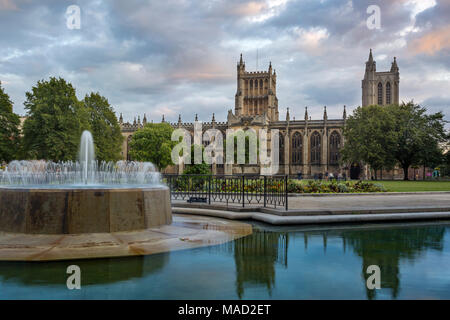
pixel 432 42
pixel 251 8
pixel 8 5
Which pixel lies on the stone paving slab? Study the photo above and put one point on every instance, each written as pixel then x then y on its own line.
pixel 318 219
pixel 185 232
pixel 343 204
pixel 370 201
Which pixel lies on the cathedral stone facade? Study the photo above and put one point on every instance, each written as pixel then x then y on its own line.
pixel 307 146
pixel 381 88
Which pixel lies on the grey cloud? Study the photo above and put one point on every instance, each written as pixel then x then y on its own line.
pixel 176 57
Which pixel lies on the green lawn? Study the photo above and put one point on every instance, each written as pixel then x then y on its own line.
pixel 407 186
pixel 411 186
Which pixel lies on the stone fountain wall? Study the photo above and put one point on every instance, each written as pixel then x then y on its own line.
pixel 74 211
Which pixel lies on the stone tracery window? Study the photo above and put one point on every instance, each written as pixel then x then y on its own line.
pixel 380 94
pixel 315 148
pixel 297 147
pixel 281 149
pixel 388 93
pixel 335 145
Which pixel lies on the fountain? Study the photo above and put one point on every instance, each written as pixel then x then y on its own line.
pixel 85 196
pixel 91 209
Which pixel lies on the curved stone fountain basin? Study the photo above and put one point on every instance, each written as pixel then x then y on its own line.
pixel 75 210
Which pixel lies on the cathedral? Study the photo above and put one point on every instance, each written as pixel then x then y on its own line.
pixel 309 147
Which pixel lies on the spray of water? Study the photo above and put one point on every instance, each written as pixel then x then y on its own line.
pixel 86 171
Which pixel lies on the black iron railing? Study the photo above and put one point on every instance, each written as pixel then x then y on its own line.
pixel 267 191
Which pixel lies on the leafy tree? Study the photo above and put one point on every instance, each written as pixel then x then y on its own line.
pixel 403 134
pixel 199 168
pixel 417 135
pixel 9 128
pixel 104 127
pixel 369 137
pixel 55 121
pixel 153 143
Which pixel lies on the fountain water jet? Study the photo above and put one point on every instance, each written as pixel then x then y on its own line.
pixel 86 196
pixel 87 155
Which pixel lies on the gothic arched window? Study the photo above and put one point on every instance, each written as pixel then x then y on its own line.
pixel 256 83
pixel 380 94
pixel 281 148
pixel 297 148
pixel 335 145
pixel 388 93
pixel 315 148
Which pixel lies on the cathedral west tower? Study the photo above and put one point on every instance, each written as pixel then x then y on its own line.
pixel 256 92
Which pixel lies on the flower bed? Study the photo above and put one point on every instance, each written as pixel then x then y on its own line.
pixel 202 183
pixel 297 186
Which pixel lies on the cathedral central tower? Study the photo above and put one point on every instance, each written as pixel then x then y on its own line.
pixel 256 92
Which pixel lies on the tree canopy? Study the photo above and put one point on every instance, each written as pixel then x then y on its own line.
pixel 383 136
pixel 104 127
pixel 197 168
pixel 55 120
pixel 9 128
pixel 153 143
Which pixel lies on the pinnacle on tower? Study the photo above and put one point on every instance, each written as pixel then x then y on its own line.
pixel 179 118
pixel 134 122
pixel 163 119
pixel 121 118
pixel 306 113
pixel 325 116
pixel 144 120
pixel 139 119
pixel 370 64
pixel 241 61
pixel 344 115
pixel 196 117
pixel 394 67
pixel 213 118
pixel 287 115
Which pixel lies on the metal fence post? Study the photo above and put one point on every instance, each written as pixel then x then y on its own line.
pixel 265 191
pixel 209 190
pixel 243 200
pixel 286 192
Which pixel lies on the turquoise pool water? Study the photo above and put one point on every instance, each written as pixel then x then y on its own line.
pixel 272 263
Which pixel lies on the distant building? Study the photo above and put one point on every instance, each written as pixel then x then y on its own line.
pixel 307 146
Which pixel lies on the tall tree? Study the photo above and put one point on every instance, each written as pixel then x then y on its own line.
pixel 104 127
pixel 418 135
pixel 9 128
pixel 153 143
pixel 55 120
pixel 396 134
pixel 369 137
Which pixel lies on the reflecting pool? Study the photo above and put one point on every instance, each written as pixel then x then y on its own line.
pixel 273 263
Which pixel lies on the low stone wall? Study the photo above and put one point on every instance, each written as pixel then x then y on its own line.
pixel 75 211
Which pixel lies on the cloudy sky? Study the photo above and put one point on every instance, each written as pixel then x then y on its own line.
pixel 179 56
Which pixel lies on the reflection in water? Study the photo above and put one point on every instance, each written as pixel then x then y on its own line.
pixel 384 245
pixel 94 271
pixel 385 248
pixel 274 262
pixel 255 257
